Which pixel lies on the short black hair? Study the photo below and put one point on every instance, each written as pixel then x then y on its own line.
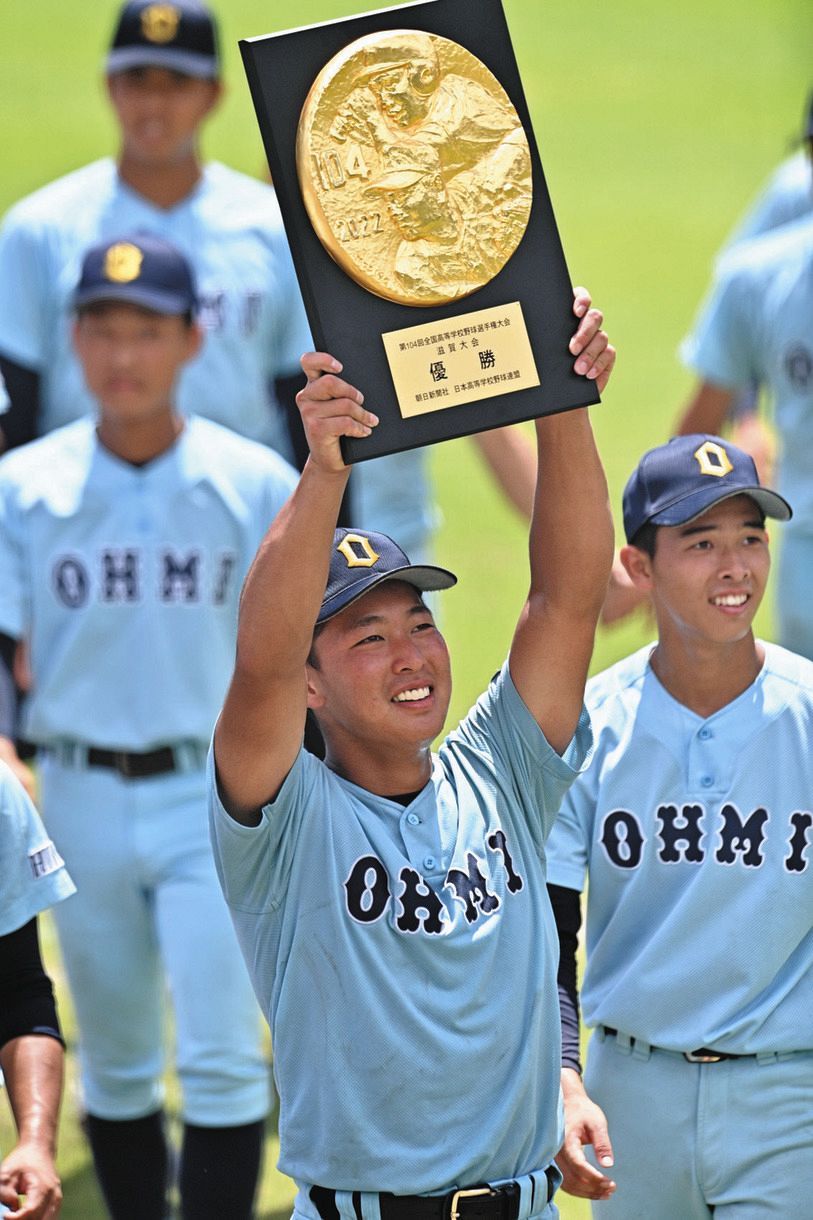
pixel 99 307
pixel 646 538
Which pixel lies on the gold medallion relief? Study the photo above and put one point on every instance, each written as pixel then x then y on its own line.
pixel 414 167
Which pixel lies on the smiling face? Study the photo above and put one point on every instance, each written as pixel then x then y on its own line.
pixel 160 112
pixel 382 680
pixel 707 577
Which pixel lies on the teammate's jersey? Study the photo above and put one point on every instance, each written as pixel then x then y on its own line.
pixel 407 956
pixel 230 229
pixel 698 842
pixel 787 196
pixel 34 875
pixel 756 327
pixel 126 578
pixel 394 495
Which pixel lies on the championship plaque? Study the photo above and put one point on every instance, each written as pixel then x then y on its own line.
pixel 419 221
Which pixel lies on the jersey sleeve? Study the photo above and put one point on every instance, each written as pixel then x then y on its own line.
pixel 33 872
pixel 568 844
pixel 14 595
pixel 721 347
pixel 254 862
pixel 506 738
pixel 23 293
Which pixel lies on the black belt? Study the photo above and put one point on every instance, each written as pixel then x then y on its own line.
pixel 473 1203
pixel 134 766
pixel 703 1054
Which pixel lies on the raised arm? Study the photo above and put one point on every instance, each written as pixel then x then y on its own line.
pixel 571 547
pixel 260 728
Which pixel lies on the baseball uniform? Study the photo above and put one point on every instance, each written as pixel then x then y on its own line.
pixel 754 327
pixel 694 836
pixel 786 196
pixel 126 580
pixel 368 914
pixel 229 228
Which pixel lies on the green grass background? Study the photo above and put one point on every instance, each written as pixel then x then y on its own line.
pixel 656 123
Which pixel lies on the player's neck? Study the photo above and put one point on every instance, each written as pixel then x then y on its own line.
pixel 385 772
pixel 706 677
pixel 140 441
pixel 163 184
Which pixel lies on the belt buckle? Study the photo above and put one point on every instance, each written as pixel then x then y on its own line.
pixel 704 1057
pixel 454 1214
pixel 121 760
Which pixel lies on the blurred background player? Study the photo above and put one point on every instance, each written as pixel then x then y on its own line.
pixel 692 831
pixel 163 81
pixel 123 546
pixel 33 878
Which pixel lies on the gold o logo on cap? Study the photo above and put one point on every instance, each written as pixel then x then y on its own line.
pixel 122 262
pixel 347 548
pixel 159 22
pixel 712 459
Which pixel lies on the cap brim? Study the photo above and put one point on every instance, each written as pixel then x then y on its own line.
pixel 190 63
pixel 694 505
pixel 131 294
pixel 425 577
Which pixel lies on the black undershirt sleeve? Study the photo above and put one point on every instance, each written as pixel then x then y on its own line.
pixel 28 1005
pixel 19 423
pixel 567 911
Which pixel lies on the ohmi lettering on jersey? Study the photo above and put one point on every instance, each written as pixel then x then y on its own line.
pixel 690 832
pixel 369 890
pixel 118 577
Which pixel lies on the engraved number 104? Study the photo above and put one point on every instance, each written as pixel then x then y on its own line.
pixel 333 170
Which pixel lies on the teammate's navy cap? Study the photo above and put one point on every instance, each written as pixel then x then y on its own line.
pixel 678 481
pixel 360 560
pixel 137 270
pixel 181 36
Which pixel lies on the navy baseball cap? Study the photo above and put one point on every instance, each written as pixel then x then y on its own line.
pixel 137 270
pixel 360 560
pixel 181 36
pixel 678 481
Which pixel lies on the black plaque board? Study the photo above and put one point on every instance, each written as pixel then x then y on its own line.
pixel 346 319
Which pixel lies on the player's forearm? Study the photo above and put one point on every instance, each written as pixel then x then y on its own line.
pixel 286 582
pixel 706 410
pixel 33 1066
pixel 571 538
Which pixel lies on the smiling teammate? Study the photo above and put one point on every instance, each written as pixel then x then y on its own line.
pixel 693 827
pixel 123 545
pixel 390 903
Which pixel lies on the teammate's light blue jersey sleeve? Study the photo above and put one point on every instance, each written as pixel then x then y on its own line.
pixel 786 197
pixel 33 873
pixel 15 599
pixel 24 293
pixel 723 346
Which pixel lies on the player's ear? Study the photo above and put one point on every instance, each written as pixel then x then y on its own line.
pixel 638 566
pixel 195 336
pixel 316 698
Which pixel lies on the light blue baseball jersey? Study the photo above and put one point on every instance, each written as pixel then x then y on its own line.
pixel 755 327
pixel 230 229
pixel 394 495
pixel 696 837
pixel 33 873
pixel 786 196
pixel 405 959
pixel 141 566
